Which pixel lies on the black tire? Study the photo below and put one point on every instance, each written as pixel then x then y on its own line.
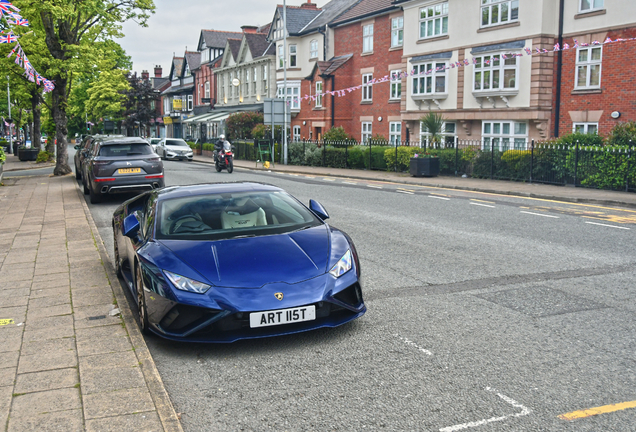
pixel 86 190
pixel 141 302
pixel 78 175
pixel 218 167
pixel 116 257
pixel 95 197
pixel 230 167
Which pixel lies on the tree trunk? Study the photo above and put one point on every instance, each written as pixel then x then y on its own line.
pixel 58 108
pixel 36 135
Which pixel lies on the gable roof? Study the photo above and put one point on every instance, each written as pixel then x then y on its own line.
pixel 257 44
pixel 192 59
pixel 176 67
pixel 297 18
pixel 330 66
pixel 330 11
pixel 234 45
pixel 363 9
pixel 216 38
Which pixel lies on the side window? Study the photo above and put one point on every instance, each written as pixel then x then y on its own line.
pixel 149 218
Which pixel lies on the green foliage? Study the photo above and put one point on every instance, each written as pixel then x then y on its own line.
pixel 106 95
pixel 44 156
pixel 581 138
pixel 336 134
pixel 404 155
pixel 433 123
pixel 259 131
pixel 3 157
pixel 623 134
pixel 241 124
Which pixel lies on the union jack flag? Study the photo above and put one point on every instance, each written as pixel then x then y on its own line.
pixel 10 38
pixel 7 6
pixel 20 22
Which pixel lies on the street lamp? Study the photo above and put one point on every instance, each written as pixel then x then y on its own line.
pixel 237 83
pixel 9 103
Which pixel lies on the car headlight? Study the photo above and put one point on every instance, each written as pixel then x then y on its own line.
pixel 342 266
pixel 186 284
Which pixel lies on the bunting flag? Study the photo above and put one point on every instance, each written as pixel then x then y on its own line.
pixel 7 9
pixel 464 63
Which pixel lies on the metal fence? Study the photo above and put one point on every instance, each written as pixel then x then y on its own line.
pixel 609 167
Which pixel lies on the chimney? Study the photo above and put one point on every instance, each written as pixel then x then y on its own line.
pixel 158 71
pixel 308 5
pixel 249 29
pixel 145 75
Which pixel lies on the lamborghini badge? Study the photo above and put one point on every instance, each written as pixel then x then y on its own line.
pixel 278 295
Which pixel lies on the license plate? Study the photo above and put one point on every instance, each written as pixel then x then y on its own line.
pixel 282 316
pixel 129 170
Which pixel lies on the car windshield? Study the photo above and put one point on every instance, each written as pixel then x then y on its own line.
pixel 232 215
pixel 125 150
pixel 155 140
pixel 176 142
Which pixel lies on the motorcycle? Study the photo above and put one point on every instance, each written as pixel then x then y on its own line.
pixel 225 158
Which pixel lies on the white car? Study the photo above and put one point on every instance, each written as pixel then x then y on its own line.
pixel 153 143
pixel 173 149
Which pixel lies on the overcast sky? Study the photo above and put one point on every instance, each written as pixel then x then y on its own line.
pixel 177 25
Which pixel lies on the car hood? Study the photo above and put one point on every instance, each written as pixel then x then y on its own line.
pixel 255 261
pixel 175 148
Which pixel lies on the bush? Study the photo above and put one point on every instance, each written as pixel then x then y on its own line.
pixel 241 124
pixel 583 139
pixel 336 134
pixel 404 155
pixel 259 131
pixel 623 134
pixel 44 156
pixel 3 157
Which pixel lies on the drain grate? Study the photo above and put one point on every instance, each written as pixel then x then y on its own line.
pixel 541 301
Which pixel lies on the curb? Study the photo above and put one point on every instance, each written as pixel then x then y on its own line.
pixel 442 186
pixel 163 404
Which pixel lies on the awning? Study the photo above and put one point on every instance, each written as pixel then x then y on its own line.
pixel 199 119
pixel 218 117
pixel 209 117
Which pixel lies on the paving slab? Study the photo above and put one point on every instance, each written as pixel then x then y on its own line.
pixel 108 361
pixel 48 333
pixel 59 421
pixel 108 380
pixel 147 422
pixel 7 376
pixel 32 404
pixel 115 403
pixel 9 359
pixel 6 394
pixel 92 346
pixel 46 380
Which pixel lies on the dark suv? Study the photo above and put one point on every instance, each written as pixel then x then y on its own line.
pixel 120 165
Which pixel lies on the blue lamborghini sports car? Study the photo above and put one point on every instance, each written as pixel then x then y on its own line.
pixel 229 261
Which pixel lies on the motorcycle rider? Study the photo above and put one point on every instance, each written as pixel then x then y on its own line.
pixel 218 147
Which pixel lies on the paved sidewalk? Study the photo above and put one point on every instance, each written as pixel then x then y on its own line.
pixel 66 362
pixel 560 193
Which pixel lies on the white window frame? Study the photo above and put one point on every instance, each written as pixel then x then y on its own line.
pixel 397 32
pixel 313 49
pixel 254 80
pixel 396 85
pixel 504 12
pixel 367 38
pixel 587 66
pixel 190 102
pixel 491 69
pixel 167 103
pixel 591 5
pixel 293 56
pixel 293 94
pixel 296 133
pixel 247 82
pixel 506 135
pixel 206 91
pixel 395 132
pixel 264 72
pixel 367 87
pixel 586 128
pixel 319 94
pixel 421 79
pixel 281 56
pixel 434 21
pixel 366 132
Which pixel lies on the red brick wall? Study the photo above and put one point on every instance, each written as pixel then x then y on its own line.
pixel 618 84
pixel 349 108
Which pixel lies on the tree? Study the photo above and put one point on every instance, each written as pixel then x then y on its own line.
pixel 240 124
pixel 71 30
pixel 433 123
pixel 106 95
pixel 138 103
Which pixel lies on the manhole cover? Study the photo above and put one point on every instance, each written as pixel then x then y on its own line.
pixel 541 301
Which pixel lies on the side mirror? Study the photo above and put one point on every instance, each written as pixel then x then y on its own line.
pixel 318 209
pixel 131 226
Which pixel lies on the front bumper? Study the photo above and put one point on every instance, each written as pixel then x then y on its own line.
pixel 194 321
pixel 188 156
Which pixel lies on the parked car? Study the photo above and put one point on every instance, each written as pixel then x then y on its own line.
pixel 174 148
pixel 153 143
pixel 228 261
pixel 120 165
pixel 82 149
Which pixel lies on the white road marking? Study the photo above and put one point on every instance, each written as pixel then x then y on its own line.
pixel 442 198
pixel 351 183
pixel 414 345
pixel 373 186
pixel 524 411
pixel 539 214
pixel 605 225
pixel 326 179
pixel 405 192
pixel 482 205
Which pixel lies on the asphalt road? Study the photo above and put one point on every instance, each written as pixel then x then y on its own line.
pixel 485 312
